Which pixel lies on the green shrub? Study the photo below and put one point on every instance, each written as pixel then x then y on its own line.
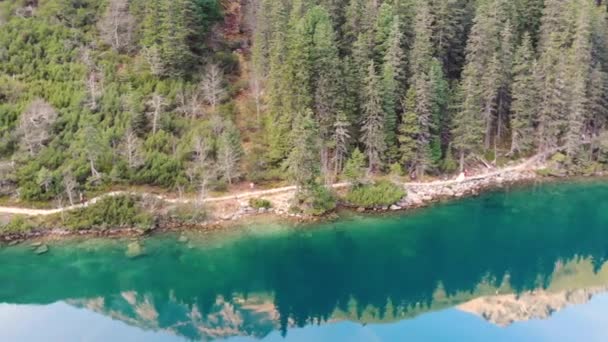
pixel 110 212
pixel 558 158
pixel 382 193
pixel 592 168
pixel 258 203
pixel 396 170
pixel 316 201
pixel 188 213
pixel 323 202
pixel 550 172
pixel 19 224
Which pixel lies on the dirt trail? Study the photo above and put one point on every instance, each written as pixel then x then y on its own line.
pixel 260 193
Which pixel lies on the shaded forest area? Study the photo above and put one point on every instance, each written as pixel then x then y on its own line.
pixel 195 95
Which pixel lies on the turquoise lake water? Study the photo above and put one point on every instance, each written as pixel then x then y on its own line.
pixel 523 264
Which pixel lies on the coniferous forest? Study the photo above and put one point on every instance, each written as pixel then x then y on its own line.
pixel 196 95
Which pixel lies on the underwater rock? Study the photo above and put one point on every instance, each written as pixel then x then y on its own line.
pixel 41 249
pixel 134 250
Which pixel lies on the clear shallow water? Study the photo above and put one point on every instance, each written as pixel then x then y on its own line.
pixel 526 265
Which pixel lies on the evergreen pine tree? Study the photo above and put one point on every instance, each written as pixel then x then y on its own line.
pixel 524 105
pixel 506 78
pixel 304 162
pixel 421 61
pixel 353 25
pixel 598 101
pixel 354 171
pixel 393 80
pixel 372 129
pixel 440 114
pixel 579 73
pixel 408 131
pixel 278 121
pixel 341 141
pixel 552 111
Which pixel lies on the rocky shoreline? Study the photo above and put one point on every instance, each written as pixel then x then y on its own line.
pixel 418 196
pixel 423 195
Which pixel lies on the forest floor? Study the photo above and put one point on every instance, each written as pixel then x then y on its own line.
pixel 278 196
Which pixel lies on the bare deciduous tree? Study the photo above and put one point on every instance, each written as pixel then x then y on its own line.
pixel 94 81
pixel 34 126
pixel 189 103
pixel 69 185
pixel 117 25
pixel 157 102
pixel 228 157
pixel 202 169
pixel 341 139
pixel 256 90
pixel 212 86
pixel 153 57
pixel 93 147
pixel 130 148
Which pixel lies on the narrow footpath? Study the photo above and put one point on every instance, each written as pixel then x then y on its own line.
pixel 525 166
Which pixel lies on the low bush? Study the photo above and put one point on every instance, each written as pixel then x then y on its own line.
pixel 259 203
pixel 188 213
pixel 18 224
pixel 316 201
pixel 110 212
pixel 550 172
pixel 379 194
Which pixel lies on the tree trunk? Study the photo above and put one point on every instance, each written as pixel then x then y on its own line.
pixel 461 161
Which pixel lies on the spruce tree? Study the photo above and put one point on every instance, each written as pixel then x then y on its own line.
pixel 452 20
pixel 579 73
pixel 421 61
pixel 553 104
pixel 422 49
pixel 175 31
pixel 372 129
pixel 424 114
pixel 326 79
pixel 506 78
pixel 278 121
pixel 440 126
pixel 354 171
pixel 523 109
pixel 383 28
pixel 408 131
pixel 353 25
pixel 304 162
pixel 475 121
pixel 393 82
pixel 555 35
pixel 341 141
pixel 598 101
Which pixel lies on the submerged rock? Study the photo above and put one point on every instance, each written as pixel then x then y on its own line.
pixel 36 244
pixel 14 242
pixel 41 249
pixel 134 250
pixel 183 239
